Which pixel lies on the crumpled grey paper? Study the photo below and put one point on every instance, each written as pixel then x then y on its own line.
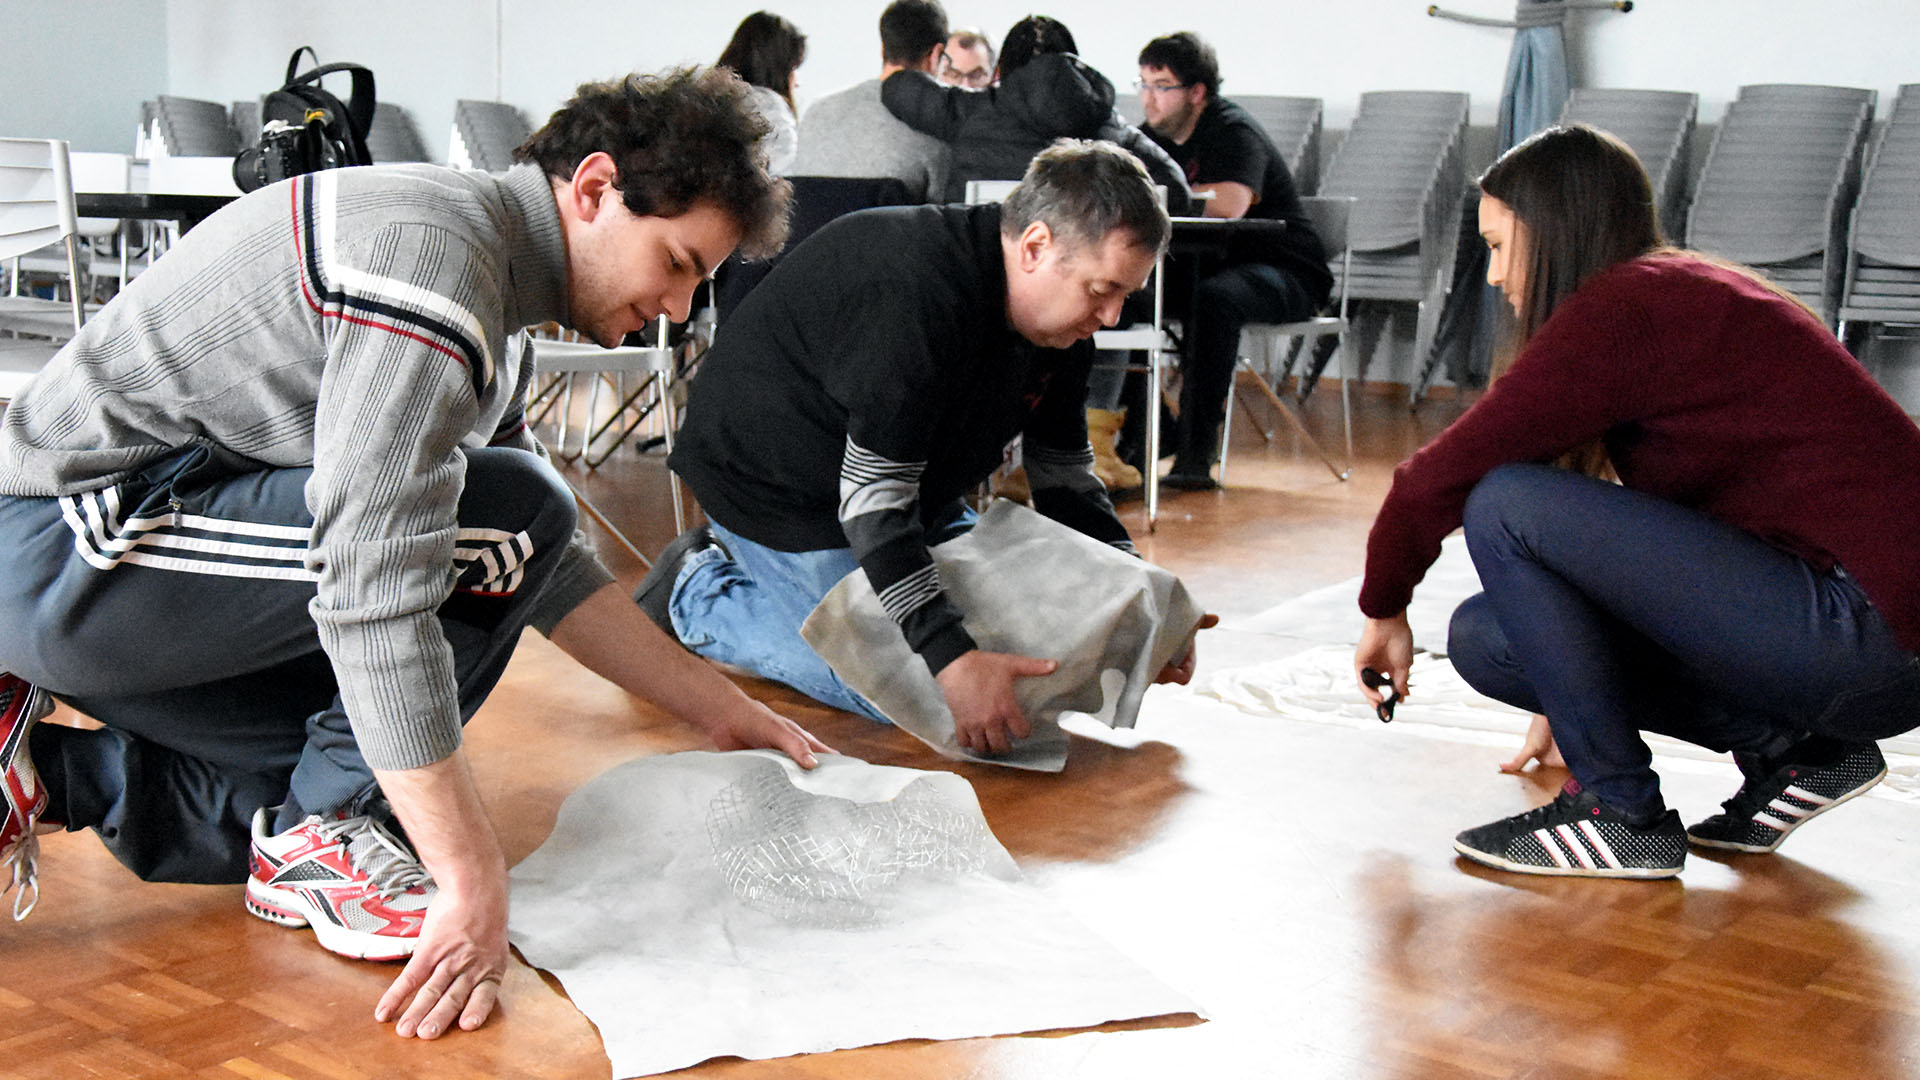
pixel 699 904
pixel 1029 585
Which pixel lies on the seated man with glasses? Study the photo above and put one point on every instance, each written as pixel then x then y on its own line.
pixel 968 61
pixel 1265 278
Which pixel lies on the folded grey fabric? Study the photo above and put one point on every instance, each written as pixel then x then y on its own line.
pixel 1029 586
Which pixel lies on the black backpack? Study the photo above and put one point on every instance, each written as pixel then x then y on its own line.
pixel 304 129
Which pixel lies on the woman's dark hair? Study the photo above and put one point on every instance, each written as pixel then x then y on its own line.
pixel 687 136
pixel 1584 203
pixel 1035 35
pixel 764 51
pixel 1188 56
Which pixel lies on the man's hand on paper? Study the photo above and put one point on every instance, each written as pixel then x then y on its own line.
pixel 1180 672
pixel 987 718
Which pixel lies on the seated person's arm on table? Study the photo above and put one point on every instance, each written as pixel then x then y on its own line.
pixel 1227 199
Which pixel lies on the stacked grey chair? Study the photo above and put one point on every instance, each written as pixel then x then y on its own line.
pixel 485 134
pixel 189 127
pixel 1779 183
pixel 1403 160
pixel 392 137
pixel 1883 261
pixel 1293 123
pixel 1658 125
pixel 246 122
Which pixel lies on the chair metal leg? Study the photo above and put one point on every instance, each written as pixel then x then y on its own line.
pixel 614 530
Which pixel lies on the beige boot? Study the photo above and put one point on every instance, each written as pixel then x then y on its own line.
pixel 1103 428
pixel 1013 485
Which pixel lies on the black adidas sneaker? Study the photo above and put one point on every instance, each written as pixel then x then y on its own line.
pixel 1577 835
pixel 1767 808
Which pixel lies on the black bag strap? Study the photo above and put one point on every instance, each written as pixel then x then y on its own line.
pixel 293 65
pixel 359 103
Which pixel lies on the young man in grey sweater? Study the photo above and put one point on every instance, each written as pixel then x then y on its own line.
pixel 275 519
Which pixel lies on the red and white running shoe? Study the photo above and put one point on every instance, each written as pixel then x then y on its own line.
pixel 358 885
pixel 20 791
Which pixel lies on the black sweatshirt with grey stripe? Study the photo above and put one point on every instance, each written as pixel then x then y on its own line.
pixel 869 384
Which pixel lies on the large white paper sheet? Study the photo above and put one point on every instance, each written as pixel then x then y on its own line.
pixel 698 905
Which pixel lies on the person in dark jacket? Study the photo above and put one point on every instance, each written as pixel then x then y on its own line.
pixel 1045 93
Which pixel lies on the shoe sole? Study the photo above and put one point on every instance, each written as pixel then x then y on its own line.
pixel 1764 849
pixel 664 574
pixel 1630 873
pixel 283 908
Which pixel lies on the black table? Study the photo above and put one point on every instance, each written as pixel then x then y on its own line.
pixel 188 210
pixel 1196 241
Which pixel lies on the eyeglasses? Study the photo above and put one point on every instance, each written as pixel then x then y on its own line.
pixel 976 79
pixel 1146 87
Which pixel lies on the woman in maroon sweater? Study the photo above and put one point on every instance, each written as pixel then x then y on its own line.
pixel 1752 583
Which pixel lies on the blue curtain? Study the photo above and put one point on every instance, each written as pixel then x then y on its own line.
pixel 1537 80
pixel 1536 90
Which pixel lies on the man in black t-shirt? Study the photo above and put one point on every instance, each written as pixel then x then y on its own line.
pixel 1262 278
pixel 871 382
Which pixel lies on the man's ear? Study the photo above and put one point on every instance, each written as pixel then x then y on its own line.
pixel 930 63
pixel 593 181
pixel 1035 239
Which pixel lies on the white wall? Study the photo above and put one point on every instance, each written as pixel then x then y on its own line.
pixel 79 70
pixel 533 52
pixel 80 67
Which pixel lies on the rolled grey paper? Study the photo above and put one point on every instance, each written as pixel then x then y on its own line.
pixel 1030 586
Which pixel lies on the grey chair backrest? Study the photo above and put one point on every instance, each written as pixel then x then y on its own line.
pixel 1779 183
pixel 1780 179
pixel 194 128
pixel 1294 124
pixel 490 131
pixel 1658 125
pixel 392 136
pixel 1402 159
pixel 1332 216
pixel 246 122
pixel 1883 261
pixel 1886 223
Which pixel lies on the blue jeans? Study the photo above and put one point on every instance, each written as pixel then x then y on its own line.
pixel 744 606
pixel 1613 611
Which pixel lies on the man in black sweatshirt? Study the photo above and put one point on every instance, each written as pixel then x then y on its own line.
pixel 873 380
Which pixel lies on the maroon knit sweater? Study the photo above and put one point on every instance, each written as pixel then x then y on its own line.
pixel 1710 391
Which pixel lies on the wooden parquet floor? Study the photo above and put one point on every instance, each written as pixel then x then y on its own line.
pixel 1298 881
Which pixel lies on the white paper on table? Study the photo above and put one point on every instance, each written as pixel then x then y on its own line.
pixel 629 905
pixel 1031 586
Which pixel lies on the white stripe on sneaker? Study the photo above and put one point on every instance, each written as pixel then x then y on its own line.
pixel 1572 840
pixel 1803 794
pixel 1547 840
pixel 1601 847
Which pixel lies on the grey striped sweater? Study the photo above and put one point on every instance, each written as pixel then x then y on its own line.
pixel 364 322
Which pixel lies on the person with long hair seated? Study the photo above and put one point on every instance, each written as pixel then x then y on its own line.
pixel 1752 582
pixel 766 51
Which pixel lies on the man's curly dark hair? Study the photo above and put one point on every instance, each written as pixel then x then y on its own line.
pixel 678 138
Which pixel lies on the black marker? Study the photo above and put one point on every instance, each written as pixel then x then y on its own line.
pixel 1376 681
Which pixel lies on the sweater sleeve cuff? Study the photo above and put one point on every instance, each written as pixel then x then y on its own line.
pixel 946 646
pixel 579 575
